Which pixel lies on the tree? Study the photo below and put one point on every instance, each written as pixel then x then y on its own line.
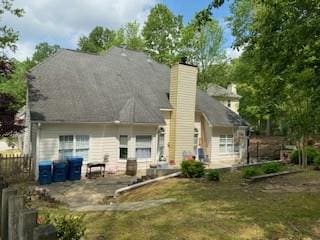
pixel 98 40
pixel 283 41
pixel 8 103
pixel 203 47
pixel 162 34
pixel 133 38
pixel 130 36
pixel 42 51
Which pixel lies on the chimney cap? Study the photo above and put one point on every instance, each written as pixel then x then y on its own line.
pixel 184 61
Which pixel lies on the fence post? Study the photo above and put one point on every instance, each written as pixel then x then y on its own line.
pixel 6 193
pixel 27 222
pixel 45 232
pixel 3 185
pixel 15 204
pixel 258 153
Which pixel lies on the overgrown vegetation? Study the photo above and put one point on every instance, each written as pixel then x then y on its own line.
pixel 69 227
pixel 272 167
pixel 310 154
pixel 251 172
pixel 213 175
pixel 192 169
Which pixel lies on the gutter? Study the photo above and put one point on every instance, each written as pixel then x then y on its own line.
pixel 137 185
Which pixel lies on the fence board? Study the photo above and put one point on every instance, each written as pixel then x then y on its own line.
pixel 16 167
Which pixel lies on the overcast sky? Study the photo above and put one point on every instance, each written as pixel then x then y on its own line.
pixel 64 21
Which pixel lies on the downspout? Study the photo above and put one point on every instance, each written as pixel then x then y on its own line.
pixel 37 151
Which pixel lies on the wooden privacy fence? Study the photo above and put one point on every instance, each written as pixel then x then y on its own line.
pixel 16 167
pixel 264 151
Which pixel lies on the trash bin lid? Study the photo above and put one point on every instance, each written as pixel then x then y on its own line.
pixel 74 158
pixel 45 163
pixel 60 162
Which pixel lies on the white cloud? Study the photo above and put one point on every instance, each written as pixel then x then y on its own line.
pixel 62 22
pixel 233 53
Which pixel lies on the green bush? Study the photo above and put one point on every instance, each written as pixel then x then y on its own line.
pixel 213 175
pixel 251 172
pixel 310 152
pixel 68 227
pixel 272 167
pixel 192 169
pixel 316 162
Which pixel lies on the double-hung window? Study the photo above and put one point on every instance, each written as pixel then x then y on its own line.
pixel 143 147
pixel 74 145
pixel 123 139
pixel 226 144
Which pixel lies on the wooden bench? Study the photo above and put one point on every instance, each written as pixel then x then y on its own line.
pixel 93 165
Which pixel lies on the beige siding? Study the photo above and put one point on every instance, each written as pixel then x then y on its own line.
pixel 182 99
pixel 216 155
pixel 233 102
pixel 104 140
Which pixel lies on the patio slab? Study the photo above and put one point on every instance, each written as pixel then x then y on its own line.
pixel 86 192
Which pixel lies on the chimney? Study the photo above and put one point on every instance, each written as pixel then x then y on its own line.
pixel 232 88
pixel 183 87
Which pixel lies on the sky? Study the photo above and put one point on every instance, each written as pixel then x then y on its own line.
pixel 63 22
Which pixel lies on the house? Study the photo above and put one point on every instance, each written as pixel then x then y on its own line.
pixel 121 105
pixel 228 97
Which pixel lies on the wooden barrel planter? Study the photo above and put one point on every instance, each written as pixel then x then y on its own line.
pixel 131 168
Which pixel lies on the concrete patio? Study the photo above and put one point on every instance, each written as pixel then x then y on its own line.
pixel 86 192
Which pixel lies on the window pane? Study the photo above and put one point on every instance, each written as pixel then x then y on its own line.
pixel 236 148
pixel 143 141
pixel 84 153
pixel 82 141
pixel 143 153
pixel 63 154
pixel 222 139
pixel 123 153
pixel 222 148
pixel 123 140
pixel 230 148
pixel 66 142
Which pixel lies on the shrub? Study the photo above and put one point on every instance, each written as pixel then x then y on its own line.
pixel 272 167
pixel 213 175
pixel 310 152
pixel 192 169
pixel 68 227
pixel 251 172
pixel 316 162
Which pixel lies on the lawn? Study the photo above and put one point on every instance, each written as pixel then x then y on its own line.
pixel 286 207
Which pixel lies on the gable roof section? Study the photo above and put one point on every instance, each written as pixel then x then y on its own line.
pixel 118 85
pixel 215 90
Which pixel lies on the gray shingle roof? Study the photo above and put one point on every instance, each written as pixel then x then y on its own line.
pixel 215 90
pixel 71 86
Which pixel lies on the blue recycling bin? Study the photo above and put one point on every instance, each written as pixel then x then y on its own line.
pixel 45 174
pixel 74 168
pixel 59 171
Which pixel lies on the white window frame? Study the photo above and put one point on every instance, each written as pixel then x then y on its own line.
pixel 151 142
pixel 226 144
pixel 74 145
pixel 123 146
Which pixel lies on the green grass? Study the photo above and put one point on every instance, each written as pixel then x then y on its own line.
pixel 216 210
